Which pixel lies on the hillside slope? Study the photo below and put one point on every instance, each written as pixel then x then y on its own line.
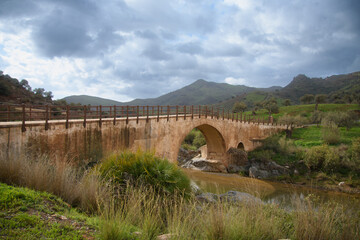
pixel 302 84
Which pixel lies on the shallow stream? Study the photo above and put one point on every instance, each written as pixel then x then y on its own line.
pixel 285 195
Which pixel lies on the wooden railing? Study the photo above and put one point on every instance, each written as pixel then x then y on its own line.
pixel 46 113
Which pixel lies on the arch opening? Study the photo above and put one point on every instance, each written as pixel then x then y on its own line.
pixel 240 146
pixel 211 147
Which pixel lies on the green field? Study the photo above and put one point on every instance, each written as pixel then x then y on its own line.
pixel 306 110
pixel 312 136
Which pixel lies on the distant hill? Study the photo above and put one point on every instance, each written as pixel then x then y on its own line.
pixel 200 92
pixel 94 101
pixel 13 91
pixel 302 84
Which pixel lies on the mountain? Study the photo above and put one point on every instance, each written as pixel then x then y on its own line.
pixel 302 84
pixel 200 92
pixel 94 101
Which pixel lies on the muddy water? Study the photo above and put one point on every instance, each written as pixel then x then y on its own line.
pixel 285 195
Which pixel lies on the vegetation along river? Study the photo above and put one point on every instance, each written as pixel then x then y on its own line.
pixel 285 195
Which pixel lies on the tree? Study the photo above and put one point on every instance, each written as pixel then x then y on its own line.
pixel 319 98
pixel 307 98
pixel 25 84
pixel 39 92
pixel 239 107
pixel 291 122
pixel 287 102
pixel 271 105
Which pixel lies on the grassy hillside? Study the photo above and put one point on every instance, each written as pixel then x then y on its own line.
pixel 302 84
pixel 29 214
pixel 307 109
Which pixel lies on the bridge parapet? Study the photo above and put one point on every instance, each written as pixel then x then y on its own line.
pixel 45 114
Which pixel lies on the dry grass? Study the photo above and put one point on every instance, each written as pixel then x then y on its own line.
pixel 141 209
pixel 75 186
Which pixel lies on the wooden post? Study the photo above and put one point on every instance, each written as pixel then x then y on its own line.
pixel 158 112
pixel 137 114
pixel 100 115
pixel 199 111
pixel 161 110
pixel 228 115
pixel 212 112
pixel 84 124
pixel 114 121
pixel 206 111
pixel 177 112
pixel 192 111
pixel 67 117
pixel 185 112
pixel 127 114
pixel 147 113
pixel 8 113
pixel 168 112
pixel 153 110
pixel 30 113
pixel 47 117
pixel 223 115
pixel 23 128
pixel 49 114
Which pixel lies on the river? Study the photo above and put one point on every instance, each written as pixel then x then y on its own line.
pixel 285 195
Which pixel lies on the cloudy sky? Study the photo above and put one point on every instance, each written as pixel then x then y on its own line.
pixel 126 49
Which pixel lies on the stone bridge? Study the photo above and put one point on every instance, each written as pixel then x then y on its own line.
pixel 91 138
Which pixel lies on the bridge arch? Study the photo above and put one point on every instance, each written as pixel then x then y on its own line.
pixel 241 146
pixel 216 145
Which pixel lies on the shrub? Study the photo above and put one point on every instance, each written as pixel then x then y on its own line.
pixel 199 140
pixel 144 168
pixel 333 161
pixel 315 157
pixel 355 152
pixel 330 132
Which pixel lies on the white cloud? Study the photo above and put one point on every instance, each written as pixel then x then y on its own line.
pixel 235 81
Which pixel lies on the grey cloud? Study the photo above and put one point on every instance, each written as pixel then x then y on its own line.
pixel 17 8
pixel 155 52
pixel 190 48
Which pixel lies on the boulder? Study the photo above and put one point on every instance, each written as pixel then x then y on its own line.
pixel 237 157
pixel 266 169
pixel 239 197
pixel 186 155
pixel 208 197
pixel 230 196
pixel 254 172
pixel 205 165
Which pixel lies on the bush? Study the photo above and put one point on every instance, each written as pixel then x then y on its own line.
pixel 355 152
pixel 144 168
pixel 315 157
pixel 199 140
pixel 330 132
pixel 333 160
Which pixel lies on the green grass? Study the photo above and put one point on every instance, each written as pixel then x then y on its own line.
pixel 306 110
pixel 312 136
pixel 29 214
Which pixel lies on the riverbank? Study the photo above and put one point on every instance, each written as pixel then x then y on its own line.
pixel 114 210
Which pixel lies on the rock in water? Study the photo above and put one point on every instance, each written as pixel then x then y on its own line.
pixel 239 197
pixel 205 165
